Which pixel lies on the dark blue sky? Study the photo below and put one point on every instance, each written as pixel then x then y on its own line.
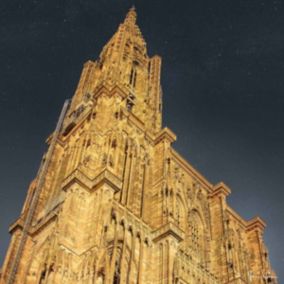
pixel 223 70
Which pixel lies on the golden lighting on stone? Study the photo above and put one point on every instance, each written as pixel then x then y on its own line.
pixel 113 202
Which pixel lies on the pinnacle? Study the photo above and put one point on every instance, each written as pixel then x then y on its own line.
pixel 131 16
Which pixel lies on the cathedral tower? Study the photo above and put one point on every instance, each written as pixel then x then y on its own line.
pixel 113 202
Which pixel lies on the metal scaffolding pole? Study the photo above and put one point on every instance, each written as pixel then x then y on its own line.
pixel 40 182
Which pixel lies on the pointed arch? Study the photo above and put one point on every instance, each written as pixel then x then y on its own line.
pixel 101 267
pixel 180 211
pixel 116 276
pixel 101 278
pixel 124 264
pixel 38 263
pixel 197 236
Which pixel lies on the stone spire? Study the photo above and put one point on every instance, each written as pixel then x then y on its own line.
pixel 131 16
pixel 124 62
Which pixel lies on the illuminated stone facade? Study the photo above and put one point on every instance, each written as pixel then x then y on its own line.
pixel 117 203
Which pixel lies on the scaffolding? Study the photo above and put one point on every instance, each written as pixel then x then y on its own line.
pixel 40 182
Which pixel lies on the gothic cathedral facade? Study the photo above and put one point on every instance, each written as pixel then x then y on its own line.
pixel 113 202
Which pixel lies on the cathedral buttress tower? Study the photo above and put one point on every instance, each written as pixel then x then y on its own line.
pixel 113 202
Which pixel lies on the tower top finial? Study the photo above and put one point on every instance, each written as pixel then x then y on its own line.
pixel 131 16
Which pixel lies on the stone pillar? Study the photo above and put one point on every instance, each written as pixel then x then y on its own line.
pixel 218 205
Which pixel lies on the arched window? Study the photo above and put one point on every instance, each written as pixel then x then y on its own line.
pixel 197 236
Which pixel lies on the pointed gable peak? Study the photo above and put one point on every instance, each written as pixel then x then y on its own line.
pixel 131 16
pixel 131 26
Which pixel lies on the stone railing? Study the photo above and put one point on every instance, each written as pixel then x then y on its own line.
pixel 187 271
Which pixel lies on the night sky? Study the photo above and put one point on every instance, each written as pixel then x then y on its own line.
pixel 222 77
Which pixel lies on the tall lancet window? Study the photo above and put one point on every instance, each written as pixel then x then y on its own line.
pixel 100 279
pixel 116 278
pixel 42 277
pixel 133 74
pixel 197 236
pixel 180 214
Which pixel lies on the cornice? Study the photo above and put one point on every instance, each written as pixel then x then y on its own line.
pixel 44 222
pixel 169 229
pixel 190 169
pixel 220 189
pixel 256 223
pixel 110 90
pixel 78 177
pixel 63 138
pixel 18 224
pixel 41 224
pixel 165 134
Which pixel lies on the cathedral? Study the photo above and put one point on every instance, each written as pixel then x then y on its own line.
pixel 114 202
